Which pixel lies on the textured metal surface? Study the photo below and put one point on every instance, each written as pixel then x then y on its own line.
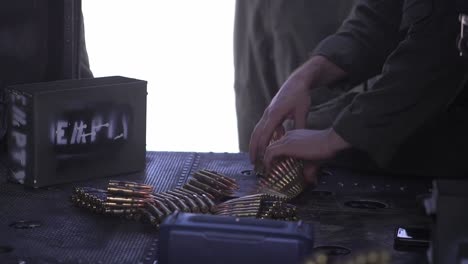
pixel 69 235
pixel 364 230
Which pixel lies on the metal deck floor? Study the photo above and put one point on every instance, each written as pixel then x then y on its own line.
pixel 72 235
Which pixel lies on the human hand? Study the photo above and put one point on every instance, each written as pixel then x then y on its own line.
pixel 291 102
pixel 313 146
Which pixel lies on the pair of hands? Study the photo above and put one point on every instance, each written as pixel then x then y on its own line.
pixel 293 102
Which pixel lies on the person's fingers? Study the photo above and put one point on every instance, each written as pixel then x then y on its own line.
pixel 311 171
pixel 276 150
pixel 271 123
pixel 261 133
pixel 300 119
pixel 259 160
pixel 279 132
pixel 254 141
pixel 271 153
pixel 288 124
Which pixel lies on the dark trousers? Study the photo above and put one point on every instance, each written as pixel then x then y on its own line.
pixel 24 51
pixel 271 39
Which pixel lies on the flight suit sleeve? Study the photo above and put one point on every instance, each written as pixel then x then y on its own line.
pixel 419 80
pixel 365 39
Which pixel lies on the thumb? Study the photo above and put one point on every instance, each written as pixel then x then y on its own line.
pixel 278 134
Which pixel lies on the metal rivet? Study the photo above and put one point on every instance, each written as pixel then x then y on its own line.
pixel 247 172
pixel 53 188
pixel 23 224
pixel 321 193
pixel 325 172
pixel 332 250
pixel 364 204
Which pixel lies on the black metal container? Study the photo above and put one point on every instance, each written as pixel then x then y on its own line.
pixel 71 130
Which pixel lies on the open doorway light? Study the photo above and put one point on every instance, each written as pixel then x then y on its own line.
pixel 184 50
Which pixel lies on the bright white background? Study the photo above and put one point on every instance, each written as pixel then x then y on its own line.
pixel 184 49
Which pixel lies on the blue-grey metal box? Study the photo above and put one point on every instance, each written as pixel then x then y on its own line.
pixel 197 238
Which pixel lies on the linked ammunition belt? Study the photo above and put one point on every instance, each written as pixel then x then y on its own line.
pixel 370 257
pixel 205 192
pixel 285 178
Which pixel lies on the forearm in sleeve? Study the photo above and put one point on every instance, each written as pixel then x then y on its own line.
pixel 419 80
pixel 366 38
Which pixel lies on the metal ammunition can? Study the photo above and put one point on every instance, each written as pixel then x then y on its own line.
pixel 71 130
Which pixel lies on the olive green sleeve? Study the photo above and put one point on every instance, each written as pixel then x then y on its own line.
pixel 418 81
pixel 365 39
